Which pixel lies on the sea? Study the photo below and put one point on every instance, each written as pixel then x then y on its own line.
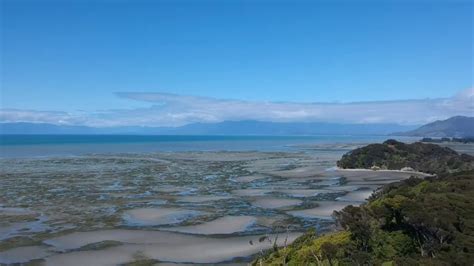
pixel 18 146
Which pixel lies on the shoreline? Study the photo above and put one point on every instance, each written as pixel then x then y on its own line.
pixel 379 170
pixel 267 189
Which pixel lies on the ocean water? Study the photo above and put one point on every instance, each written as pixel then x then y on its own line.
pixel 72 145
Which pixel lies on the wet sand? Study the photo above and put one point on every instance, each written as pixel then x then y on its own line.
pixel 276 203
pixel 324 209
pixel 157 216
pixel 179 207
pixel 161 246
pixel 223 225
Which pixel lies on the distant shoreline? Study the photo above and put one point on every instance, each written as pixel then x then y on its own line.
pixel 379 170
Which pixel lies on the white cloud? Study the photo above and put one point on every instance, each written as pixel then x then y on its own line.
pixel 53 117
pixel 175 110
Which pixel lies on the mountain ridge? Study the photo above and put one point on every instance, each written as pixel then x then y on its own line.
pixel 245 127
pixel 456 126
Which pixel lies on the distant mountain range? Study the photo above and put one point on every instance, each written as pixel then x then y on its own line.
pixel 456 126
pixel 222 128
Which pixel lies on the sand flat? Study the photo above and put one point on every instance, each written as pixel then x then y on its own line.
pixel 276 203
pixel 223 225
pixel 204 198
pixel 10 211
pixel 366 174
pixel 146 192
pixel 300 172
pixel 251 192
pixel 323 211
pixel 249 178
pixel 23 254
pixel 163 246
pixel 344 188
pixel 303 193
pixel 157 216
pixel 358 195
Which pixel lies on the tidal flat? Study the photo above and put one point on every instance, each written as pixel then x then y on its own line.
pixel 171 207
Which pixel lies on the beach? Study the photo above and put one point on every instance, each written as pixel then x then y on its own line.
pixel 170 206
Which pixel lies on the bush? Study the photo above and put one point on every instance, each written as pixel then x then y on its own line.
pixel 412 222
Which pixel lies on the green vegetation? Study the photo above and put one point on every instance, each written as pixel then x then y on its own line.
pixel 412 222
pixel 394 155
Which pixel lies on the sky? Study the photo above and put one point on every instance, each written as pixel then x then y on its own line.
pixel 170 63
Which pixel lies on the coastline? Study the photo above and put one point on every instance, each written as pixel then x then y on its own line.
pixel 380 170
pixel 390 228
pixel 196 193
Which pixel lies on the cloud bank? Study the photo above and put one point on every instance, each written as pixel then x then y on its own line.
pixel 176 110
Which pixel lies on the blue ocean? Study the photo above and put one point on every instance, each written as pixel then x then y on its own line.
pixel 72 145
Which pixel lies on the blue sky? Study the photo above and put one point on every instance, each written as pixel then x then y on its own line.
pixel 73 57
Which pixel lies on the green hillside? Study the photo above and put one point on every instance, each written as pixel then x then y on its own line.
pixel 413 222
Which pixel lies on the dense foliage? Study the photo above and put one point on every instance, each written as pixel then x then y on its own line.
pixel 394 155
pixel 412 222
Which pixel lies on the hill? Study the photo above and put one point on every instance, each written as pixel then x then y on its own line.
pixel 457 126
pixel 412 222
pixel 394 155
